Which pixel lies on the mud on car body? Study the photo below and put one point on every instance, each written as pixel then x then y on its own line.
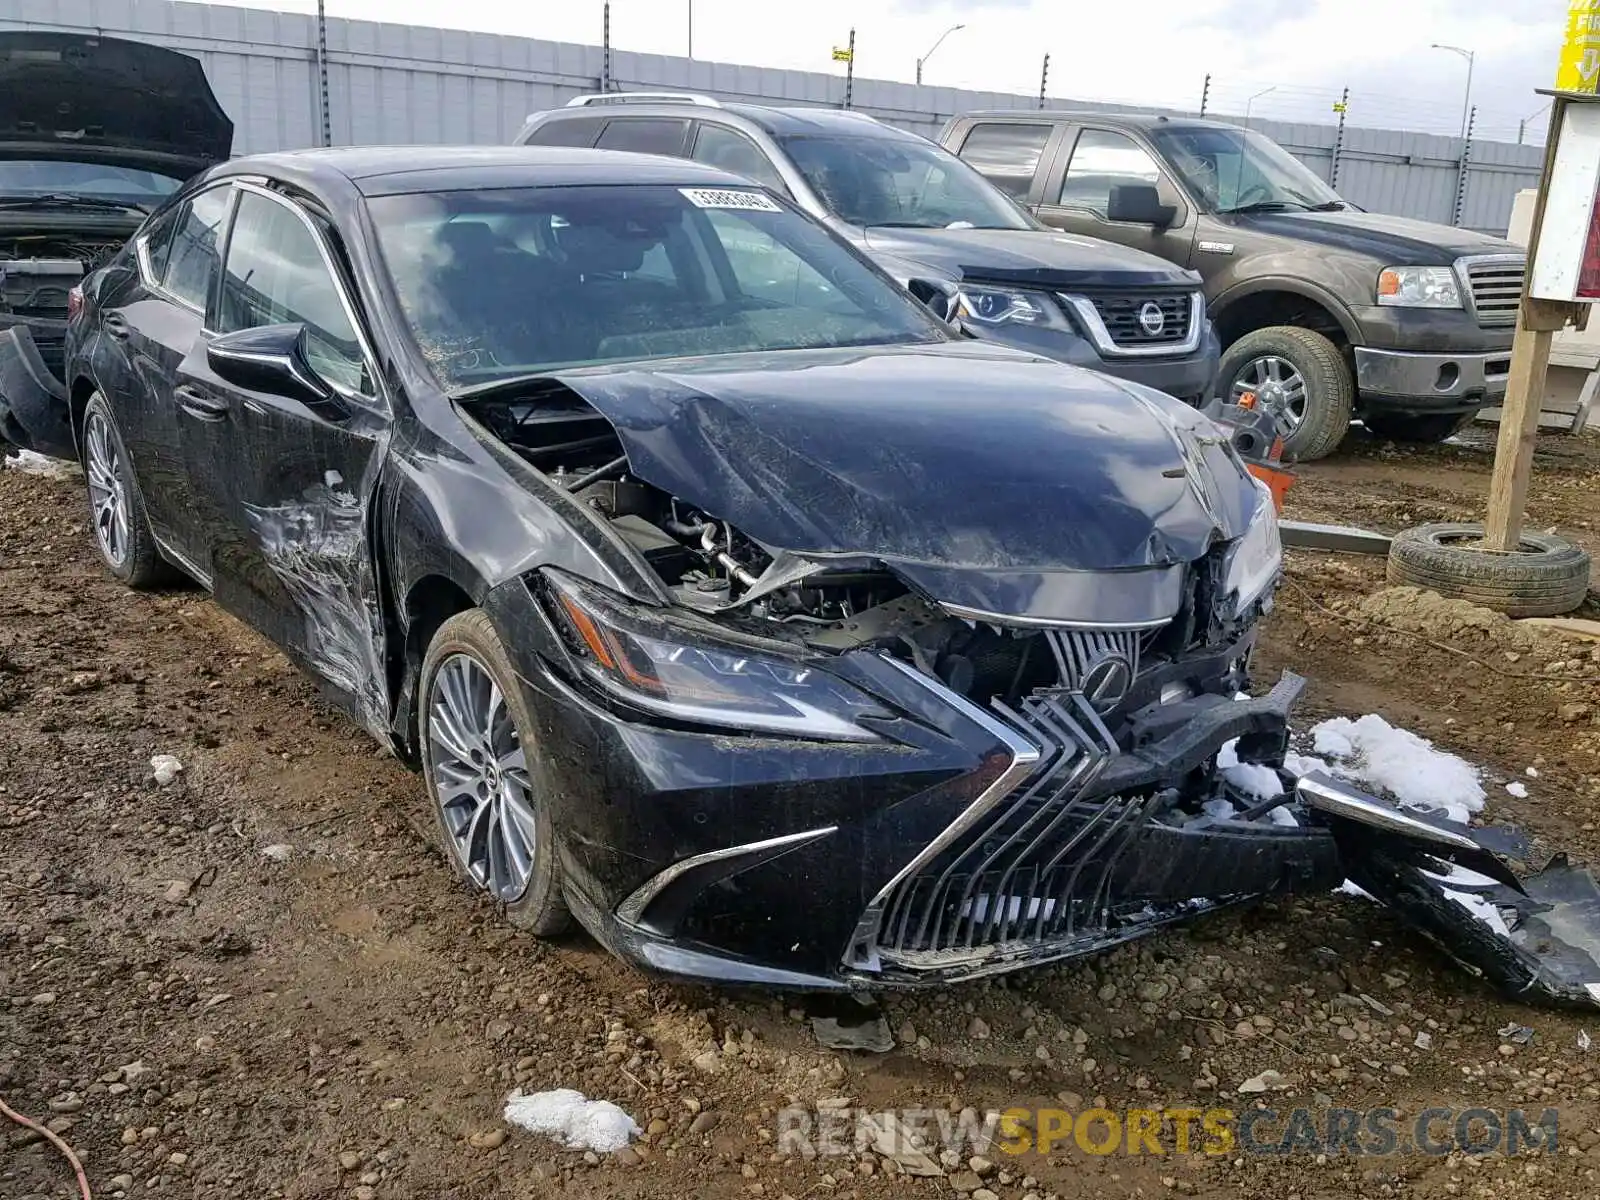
pixel 95 134
pixel 723 599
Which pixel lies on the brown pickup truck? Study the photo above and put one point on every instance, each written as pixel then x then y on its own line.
pixel 1325 311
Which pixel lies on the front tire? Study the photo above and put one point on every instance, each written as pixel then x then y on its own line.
pixel 484 774
pixel 1425 428
pixel 1301 378
pixel 116 509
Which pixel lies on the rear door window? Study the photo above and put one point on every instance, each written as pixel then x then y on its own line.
pixel 646 135
pixel 566 131
pixel 1007 154
pixel 192 259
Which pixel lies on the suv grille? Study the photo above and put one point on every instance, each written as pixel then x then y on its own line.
pixel 1130 321
pixel 1496 287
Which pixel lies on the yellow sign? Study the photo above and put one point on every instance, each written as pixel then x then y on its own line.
pixel 1341 108
pixel 1580 52
pixel 841 55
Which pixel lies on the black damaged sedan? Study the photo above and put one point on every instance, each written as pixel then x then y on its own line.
pixel 725 600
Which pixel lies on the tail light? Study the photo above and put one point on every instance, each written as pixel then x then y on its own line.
pixel 74 303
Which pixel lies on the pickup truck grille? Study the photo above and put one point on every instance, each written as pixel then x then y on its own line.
pixel 1495 282
pixel 1129 318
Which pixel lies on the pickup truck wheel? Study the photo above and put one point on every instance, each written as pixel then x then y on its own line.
pixel 1301 378
pixel 1546 577
pixel 1417 427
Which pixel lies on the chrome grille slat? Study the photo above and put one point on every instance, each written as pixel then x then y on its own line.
pixel 1495 283
pixel 1120 313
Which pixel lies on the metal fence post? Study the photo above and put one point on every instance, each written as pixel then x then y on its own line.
pixel 322 74
pixel 605 48
pixel 850 70
pixel 1338 140
pixel 1205 94
pixel 1044 76
pixel 1461 170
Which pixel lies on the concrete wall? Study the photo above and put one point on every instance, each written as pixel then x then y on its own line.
pixel 400 84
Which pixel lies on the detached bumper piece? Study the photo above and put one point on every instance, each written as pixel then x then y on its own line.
pixel 33 402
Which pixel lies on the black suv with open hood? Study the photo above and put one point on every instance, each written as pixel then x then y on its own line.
pixel 95 134
pixel 954 240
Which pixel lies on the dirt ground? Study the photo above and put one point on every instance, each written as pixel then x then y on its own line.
pixel 201 1019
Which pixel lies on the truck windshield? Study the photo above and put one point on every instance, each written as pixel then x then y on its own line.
pixel 1239 170
pixel 900 182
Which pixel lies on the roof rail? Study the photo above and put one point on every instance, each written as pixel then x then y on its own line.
pixel 643 98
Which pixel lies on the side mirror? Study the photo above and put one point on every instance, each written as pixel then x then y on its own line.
pixel 1139 204
pixel 270 359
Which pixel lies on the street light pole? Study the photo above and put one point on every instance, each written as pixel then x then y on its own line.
pixel 1466 101
pixel 691 28
pixel 1522 125
pixel 934 47
pixel 1253 99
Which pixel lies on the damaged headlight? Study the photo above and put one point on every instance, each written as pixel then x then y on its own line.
pixel 679 673
pixel 997 306
pixel 1252 565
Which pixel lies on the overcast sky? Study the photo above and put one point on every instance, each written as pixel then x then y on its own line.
pixel 1152 52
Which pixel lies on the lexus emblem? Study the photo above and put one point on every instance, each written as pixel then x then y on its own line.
pixel 1151 319
pixel 1107 682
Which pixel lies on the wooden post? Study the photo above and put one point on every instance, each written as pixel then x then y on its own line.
pixel 1537 322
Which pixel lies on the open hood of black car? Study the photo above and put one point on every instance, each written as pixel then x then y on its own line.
pixel 104 99
pixel 945 459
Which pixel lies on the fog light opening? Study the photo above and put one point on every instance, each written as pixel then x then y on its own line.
pixel 1449 376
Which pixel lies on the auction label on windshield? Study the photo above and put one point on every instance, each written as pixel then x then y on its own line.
pixel 721 198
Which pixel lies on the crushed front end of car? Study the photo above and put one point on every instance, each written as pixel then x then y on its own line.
pixel 933 689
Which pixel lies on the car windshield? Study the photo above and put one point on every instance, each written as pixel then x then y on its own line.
pixel 898 181
pixel 1234 169
pixel 23 178
pixel 509 282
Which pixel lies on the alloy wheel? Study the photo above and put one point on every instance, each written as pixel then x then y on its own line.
pixel 108 490
pixel 479 777
pixel 1277 386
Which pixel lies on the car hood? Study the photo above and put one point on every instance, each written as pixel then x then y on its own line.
pixel 956 459
pixel 1394 240
pixel 74 96
pixel 1034 257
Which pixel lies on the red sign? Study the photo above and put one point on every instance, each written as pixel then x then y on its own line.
pixel 1589 273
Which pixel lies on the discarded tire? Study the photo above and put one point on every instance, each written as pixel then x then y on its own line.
pixel 1546 577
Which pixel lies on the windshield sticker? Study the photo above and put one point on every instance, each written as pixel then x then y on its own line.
pixel 721 198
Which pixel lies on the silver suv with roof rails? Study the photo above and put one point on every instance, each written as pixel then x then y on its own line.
pixel 957 242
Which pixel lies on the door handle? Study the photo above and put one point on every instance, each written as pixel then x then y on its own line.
pixel 199 405
pixel 116 326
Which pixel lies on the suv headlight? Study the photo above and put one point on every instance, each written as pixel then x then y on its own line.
pixel 652 663
pixel 1252 566
pixel 1419 287
pixel 996 306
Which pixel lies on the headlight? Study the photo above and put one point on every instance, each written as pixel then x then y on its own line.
pixel 1253 564
pixel 653 665
pixel 1419 287
pixel 994 306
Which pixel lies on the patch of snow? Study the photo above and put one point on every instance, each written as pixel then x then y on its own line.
pixel 1532 772
pixel 1252 779
pixel 1481 909
pixel 166 768
pixel 1282 816
pixel 1519 790
pixel 1461 876
pixel 1351 888
pixel 571 1119
pixel 30 463
pixel 1374 752
pixel 1219 809
pixel 1302 764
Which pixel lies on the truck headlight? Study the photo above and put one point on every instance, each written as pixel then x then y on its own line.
pixel 996 306
pixel 1419 287
pixel 652 663
pixel 1253 564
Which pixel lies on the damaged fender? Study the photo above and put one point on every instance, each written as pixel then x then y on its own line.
pixel 34 413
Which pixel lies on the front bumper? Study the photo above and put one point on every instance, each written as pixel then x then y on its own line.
pixel 1434 382
pixel 1191 378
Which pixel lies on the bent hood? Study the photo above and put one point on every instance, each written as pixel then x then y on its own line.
pixel 1395 240
pixel 73 96
pixel 953 457
pixel 1031 257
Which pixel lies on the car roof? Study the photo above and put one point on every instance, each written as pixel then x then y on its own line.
pixel 394 170
pixel 1135 120
pixel 776 120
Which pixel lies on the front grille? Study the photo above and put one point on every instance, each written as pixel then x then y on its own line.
pixel 1038 870
pixel 1121 315
pixel 1496 286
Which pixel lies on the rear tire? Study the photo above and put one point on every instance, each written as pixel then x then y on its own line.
pixel 485 775
pixel 1547 577
pixel 116 509
pixel 1319 417
pixel 1426 428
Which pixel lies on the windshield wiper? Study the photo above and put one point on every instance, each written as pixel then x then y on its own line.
pixel 68 200
pixel 1262 206
pixel 1329 206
